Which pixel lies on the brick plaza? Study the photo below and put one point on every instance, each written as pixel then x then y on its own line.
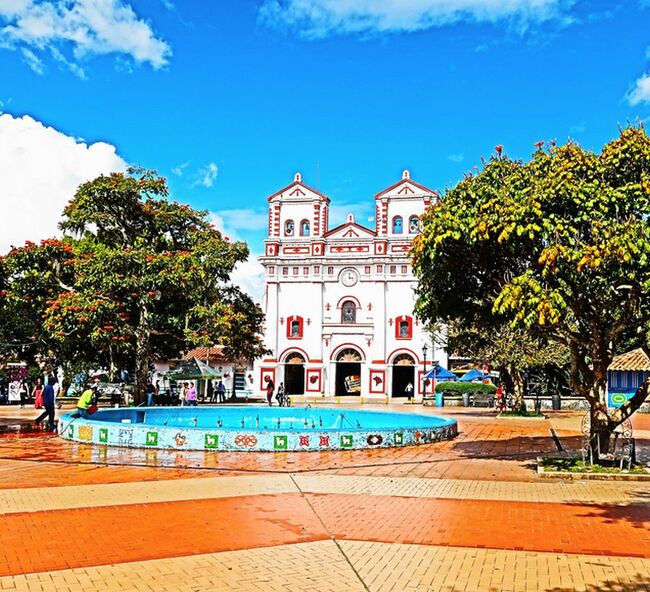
pixel 465 515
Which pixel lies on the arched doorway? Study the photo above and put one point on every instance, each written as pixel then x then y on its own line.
pixel 294 374
pixel 348 373
pixel 403 376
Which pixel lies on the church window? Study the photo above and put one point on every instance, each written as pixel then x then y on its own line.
pixel 294 327
pixel 367 270
pixel 414 224
pixel 393 269
pixel 316 268
pixel 271 270
pixel 305 270
pixel 405 269
pixel 380 269
pixel 304 228
pixel 330 270
pixel 288 228
pixel 404 327
pixel 295 271
pixel 285 271
pixel 348 312
pixel 397 225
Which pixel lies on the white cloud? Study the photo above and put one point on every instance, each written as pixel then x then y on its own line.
pixel 33 61
pixel 249 275
pixel 244 219
pixel 40 169
pixel 225 229
pixel 641 91
pixel 320 18
pixel 458 157
pixel 71 30
pixel 207 175
pixel 180 169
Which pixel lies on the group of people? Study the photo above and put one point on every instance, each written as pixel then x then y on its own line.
pixel 86 404
pixel 44 396
pixel 188 395
pixel 36 393
pixel 282 396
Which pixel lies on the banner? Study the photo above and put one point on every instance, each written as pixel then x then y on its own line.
pixel 353 383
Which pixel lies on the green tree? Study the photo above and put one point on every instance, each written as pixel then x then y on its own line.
pixel 137 277
pixel 514 350
pixel 558 246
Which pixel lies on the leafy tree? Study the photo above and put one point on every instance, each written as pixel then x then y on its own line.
pixel 513 350
pixel 139 277
pixel 558 246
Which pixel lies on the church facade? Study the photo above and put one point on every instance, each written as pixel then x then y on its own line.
pixel 339 302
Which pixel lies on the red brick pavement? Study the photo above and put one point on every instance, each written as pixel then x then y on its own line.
pixel 43 541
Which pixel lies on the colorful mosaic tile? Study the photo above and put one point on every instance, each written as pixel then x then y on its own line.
pixel 280 442
pixel 211 441
pixel 85 432
pixel 152 439
pixel 346 441
pixel 125 437
pixel 103 435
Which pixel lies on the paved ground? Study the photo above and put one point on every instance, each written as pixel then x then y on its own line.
pixel 470 514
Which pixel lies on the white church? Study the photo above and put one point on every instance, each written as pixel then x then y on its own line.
pixel 339 302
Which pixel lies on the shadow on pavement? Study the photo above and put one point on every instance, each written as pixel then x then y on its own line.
pixel 635 583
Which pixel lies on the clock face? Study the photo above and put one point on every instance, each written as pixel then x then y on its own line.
pixel 349 277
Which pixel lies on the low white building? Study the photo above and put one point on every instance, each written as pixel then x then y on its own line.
pixel 339 302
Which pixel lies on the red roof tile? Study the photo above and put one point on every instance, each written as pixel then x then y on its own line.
pixel 636 360
pixel 211 354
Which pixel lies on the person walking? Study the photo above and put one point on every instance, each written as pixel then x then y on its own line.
pixel 280 395
pixel 221 392
pixel 191 395
pixel 23 391
pixel 38 394
pixel 151 391
pixel 183 394
pixel 501 395
pixel 409 391
pixel 48 403
pixel 57 391
pixel 270 387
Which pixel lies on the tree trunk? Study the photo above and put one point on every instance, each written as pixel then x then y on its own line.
pixel 142 353
pixel 517 377
pixel 601 426
pixel 112 368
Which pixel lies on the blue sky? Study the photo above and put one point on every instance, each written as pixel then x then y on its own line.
pixel 229 98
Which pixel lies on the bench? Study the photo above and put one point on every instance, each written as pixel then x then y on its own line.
pixel 620 449
pixel 481 400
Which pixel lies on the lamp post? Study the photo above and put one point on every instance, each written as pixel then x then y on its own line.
pixel 424 374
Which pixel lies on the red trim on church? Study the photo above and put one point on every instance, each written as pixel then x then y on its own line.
pixel 300 184
pixel 401 182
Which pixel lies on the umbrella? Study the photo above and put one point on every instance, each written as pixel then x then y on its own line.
pixel 440 373
pixel 472 376
pixel 193 369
